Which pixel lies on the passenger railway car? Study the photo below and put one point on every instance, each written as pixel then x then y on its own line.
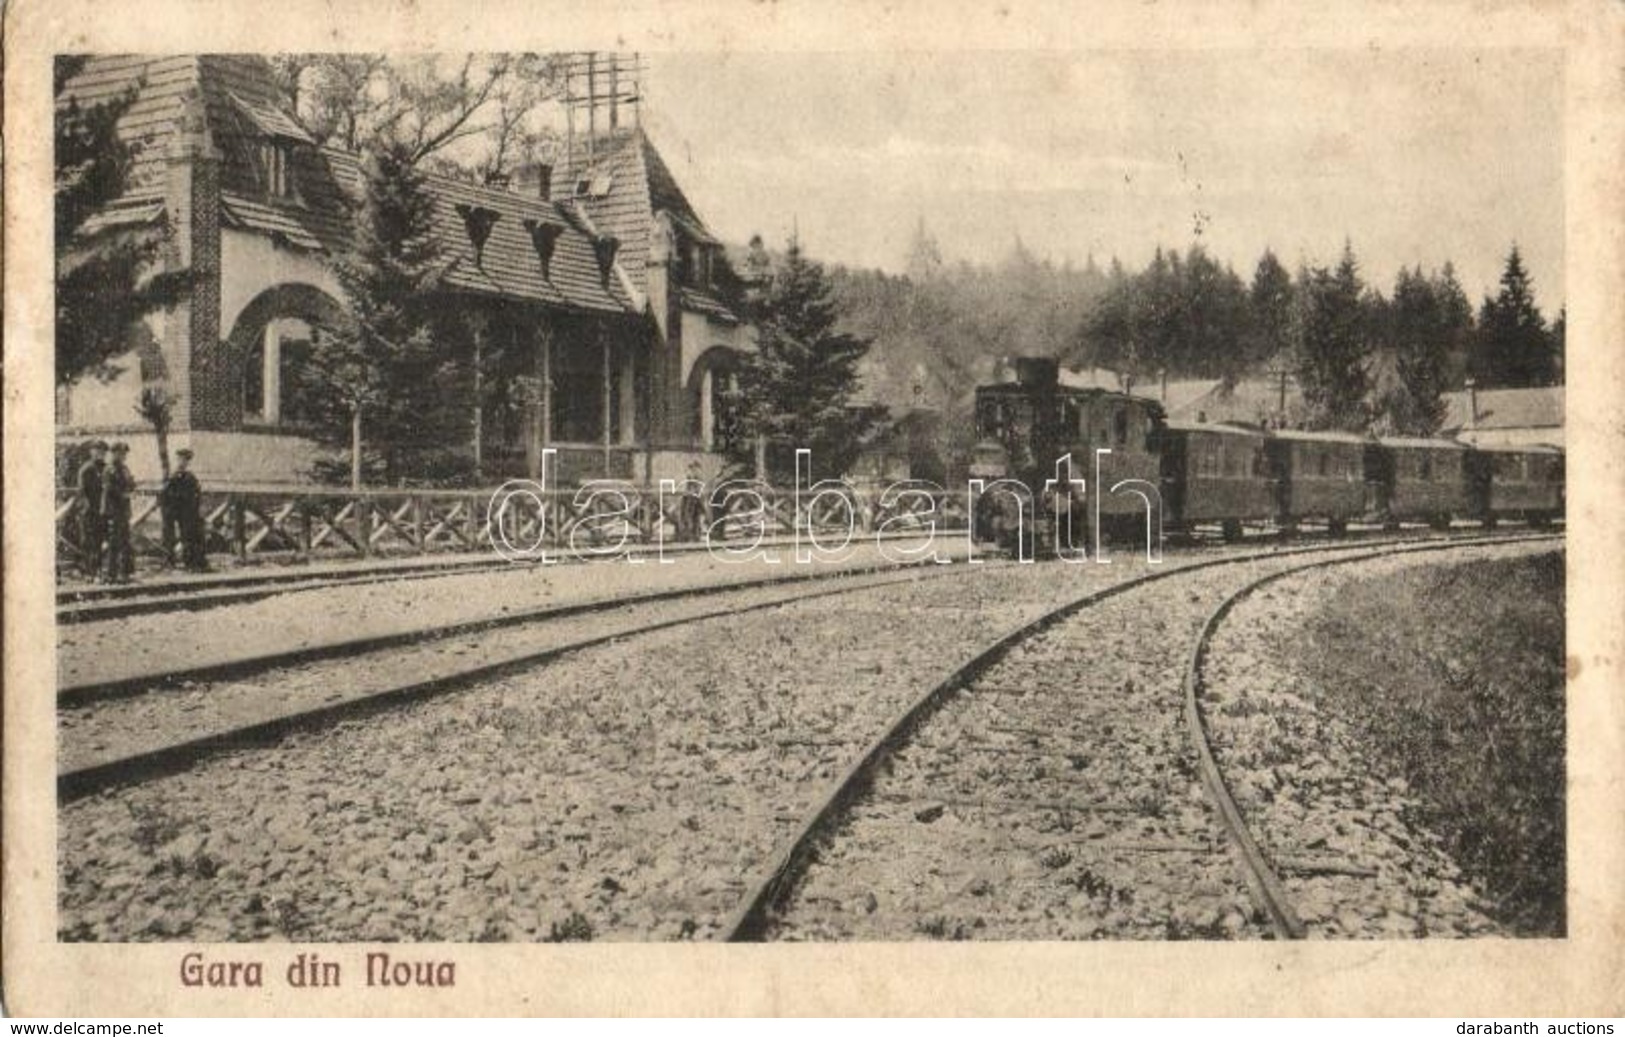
pixel 1522 482
pixel 1318 476
pixel 1216 473
pixel 1227 474
pixel 1418 480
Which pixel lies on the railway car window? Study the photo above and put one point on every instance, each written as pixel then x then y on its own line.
pixel 1323 464
pixel 1424 468
pixel 1120 427
pixel 1071 417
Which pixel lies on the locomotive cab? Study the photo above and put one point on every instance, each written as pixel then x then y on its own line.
pixel 1026 427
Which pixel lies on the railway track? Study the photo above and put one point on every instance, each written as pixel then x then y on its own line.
pixel 762 911
pixel 78 690
pixel 90 603
pixel 743 805
pixel 93 603
pixel 259 719
pixel 639 783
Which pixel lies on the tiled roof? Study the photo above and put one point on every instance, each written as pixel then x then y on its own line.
pixel 227 84
pixel 244 105
pixel 699 302
pixel 272 121
pixel 508 264
pixel 277 221
pixel 1506 409
pixel 129 211
pixel 640 185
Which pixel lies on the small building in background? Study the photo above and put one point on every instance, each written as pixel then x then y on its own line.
pixel 1505 417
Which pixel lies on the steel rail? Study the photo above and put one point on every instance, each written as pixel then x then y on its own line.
pixel 1265 885
pixel 145 765
pixel 96 603
pixel 94 690
pixel 779 878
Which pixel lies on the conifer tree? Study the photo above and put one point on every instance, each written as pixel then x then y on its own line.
pixel 383 374
pixel 1270 304
pixel 798 387
pixel 1420 333
pixel 1332 354
pixel 1513 348
pixel 108 278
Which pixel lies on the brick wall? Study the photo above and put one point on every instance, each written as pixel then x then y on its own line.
pixel 216 376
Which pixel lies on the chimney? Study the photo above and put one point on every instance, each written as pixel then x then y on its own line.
pixel 1472 403
pixel 1038 372
pixel 535 179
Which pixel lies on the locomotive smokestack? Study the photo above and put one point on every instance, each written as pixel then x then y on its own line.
pixel 1038 372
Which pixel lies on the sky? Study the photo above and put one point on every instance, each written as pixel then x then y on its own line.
pixel 1416 156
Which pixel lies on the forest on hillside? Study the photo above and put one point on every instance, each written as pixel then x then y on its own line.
pixel 1363 354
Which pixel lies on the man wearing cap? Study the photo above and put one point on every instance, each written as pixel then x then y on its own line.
pixel 88 485
pixel 117 487
pixel 182 501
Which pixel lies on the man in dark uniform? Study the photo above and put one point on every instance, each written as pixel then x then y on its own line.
pixel 88 483
pixel 117 487
pixel 183 501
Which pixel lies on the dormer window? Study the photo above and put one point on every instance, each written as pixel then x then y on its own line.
pixel 276 168
pixel 693 263
pixel 594 184
pixel 272 134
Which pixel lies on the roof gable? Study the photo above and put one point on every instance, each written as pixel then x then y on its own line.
pixel 628 184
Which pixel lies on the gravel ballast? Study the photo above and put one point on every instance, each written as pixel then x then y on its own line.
pixel 627 791
pixel 1059 798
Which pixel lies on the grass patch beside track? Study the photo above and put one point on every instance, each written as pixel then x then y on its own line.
pixel 1454 676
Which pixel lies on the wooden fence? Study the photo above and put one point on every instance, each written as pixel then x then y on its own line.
pixel 308 523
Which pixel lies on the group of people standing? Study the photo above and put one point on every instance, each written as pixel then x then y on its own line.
pixel 104 490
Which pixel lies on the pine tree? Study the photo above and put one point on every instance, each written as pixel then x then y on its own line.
pixel 1420 335
pixel 1270 302
pixel 1513 348
pixel 106 279
pixel 798 387
pixel 1213 320
pixel 384 374
pixel 1332 354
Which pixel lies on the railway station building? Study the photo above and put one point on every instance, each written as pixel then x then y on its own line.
pixel 596 280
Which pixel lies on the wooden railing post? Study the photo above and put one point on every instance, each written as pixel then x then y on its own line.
pixel 239 526
pixel 363 523
pixel 417 524
pixel 305 532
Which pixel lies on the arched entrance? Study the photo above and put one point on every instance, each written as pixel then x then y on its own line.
pixel 713 387
pixel 270 346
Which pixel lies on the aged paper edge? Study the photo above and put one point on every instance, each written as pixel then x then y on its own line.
pixel 1578 975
